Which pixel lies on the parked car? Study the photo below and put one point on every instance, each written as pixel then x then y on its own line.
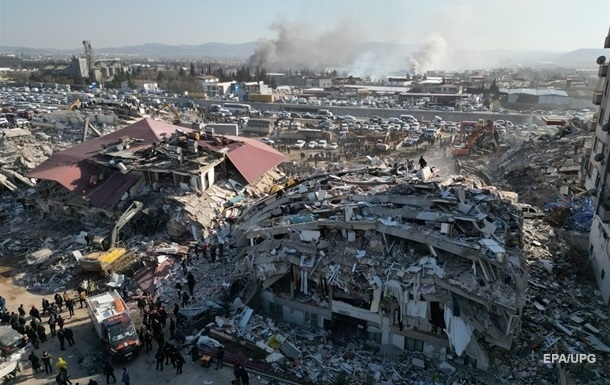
pixel 322 143
pixel 11 340
pixel 312 144
pixel 332 146
pixel 267 141
pixel 299 144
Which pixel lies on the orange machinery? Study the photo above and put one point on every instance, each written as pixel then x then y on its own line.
pixel 466 142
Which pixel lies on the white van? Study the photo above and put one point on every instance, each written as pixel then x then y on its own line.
pixel 326 113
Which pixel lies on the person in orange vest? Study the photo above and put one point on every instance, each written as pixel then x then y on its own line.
pixel 82 297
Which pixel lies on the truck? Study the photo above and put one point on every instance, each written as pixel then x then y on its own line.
pixel 109 315
pixel 259 127
pixel 261 98
pixel 224 128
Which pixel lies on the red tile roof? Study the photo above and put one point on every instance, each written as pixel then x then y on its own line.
pixel 253 158
pixel 73 167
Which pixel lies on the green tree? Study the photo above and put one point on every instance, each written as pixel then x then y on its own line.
pixel 494 89
pixel 193 73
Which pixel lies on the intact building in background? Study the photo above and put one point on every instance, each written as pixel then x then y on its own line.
pixel 597 170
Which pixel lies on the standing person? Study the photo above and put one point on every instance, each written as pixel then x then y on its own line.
pixel 61 337
pixel 220 354
pixel 35 313
pixel 172 328
pixel 422 162
pixel 148 339
pixel 45 306
pixel 46 360
pixel 52 323
pixel 62 366
pixel 125 376
pixel 42 333
pixel 141 305
pixel 179 361
pixel 21 311
pixel 3 304
pixel 237 373
pixel 109 372
pixel 32 335
pixel 190 279
pixel 185 299
pixel 59 301
pixel 194 353
pixel 176 310
pixel 65 296
pixel 69 335
pixel 160 357
pixel 243 375
pixel 213 252
pixel 35 360
pixel 70 306
pixel 60 322
pixel 82 297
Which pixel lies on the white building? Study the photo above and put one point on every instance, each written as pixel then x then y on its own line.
pixel 596 169
pixel 398 81
pixel 215 89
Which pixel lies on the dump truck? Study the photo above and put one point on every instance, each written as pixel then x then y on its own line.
pixel 108 255
pixel 109 315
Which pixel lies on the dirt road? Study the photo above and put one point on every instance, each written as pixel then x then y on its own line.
pixel 85 359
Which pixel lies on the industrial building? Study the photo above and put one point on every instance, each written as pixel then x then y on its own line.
pixel 535 97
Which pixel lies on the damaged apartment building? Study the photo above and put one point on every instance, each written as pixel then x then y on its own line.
pixel 91 180
pixel 431 266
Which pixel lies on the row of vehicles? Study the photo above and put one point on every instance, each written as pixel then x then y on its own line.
pixel 319 144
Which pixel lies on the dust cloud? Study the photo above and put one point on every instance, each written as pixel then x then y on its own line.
pixel 348 48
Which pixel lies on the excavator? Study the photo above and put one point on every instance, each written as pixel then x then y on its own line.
pixel 483 136
pixel 75 105
pixel 108 255
pixel 168 106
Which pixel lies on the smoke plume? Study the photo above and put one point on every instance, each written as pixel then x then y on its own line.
pixel 429 56
pixel 297 46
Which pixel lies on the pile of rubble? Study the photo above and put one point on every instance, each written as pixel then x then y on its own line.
pixel 537 168
pixel 564 314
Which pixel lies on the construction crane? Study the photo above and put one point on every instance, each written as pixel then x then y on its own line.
pixel 482 136
pixel 168 106
pixel 75 104
pixel 109 253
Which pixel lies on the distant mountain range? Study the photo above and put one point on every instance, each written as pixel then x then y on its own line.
pixel 584 57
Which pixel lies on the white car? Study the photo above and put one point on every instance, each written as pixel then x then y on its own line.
pixel 322 143
pixel 267 141
pixel 332 146
pixel 299 144
pixel 312 144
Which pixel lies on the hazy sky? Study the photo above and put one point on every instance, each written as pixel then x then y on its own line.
pixel 559 25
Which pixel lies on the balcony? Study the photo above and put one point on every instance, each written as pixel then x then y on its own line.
pixel 597 98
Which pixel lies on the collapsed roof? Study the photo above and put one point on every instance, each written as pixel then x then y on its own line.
pixel 92 169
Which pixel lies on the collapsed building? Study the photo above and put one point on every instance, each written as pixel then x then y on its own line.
pixel 434 266
pixel 93 180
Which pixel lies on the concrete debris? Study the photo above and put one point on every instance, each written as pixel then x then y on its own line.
pixel 377 274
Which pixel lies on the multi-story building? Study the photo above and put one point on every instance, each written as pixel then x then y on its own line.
pixel 596 172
